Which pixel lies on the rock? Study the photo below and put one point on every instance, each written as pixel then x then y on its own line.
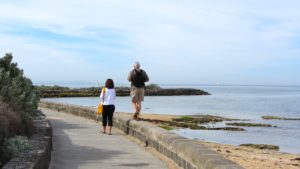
pixel 261 146
pixel 166 127
pixel 278 118
pixel 193 122
pixel 197 127
pixel 175 92
pixel 250 124
pixel 296 159
pixel 227 128
pixel 200 119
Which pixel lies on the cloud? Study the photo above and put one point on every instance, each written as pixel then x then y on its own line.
pixel 182 41
pixel 42 62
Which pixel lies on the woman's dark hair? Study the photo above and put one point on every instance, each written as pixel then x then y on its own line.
pixel 109 84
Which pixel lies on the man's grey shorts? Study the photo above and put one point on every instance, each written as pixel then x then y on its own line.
pixel 137 94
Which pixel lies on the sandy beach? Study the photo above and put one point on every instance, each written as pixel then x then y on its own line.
pixel 249 158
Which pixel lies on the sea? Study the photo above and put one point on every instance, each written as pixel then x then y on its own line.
pixel 241 102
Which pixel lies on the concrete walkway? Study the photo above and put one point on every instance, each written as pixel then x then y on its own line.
pixel 78 143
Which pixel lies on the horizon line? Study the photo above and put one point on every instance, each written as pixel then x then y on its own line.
pixel 74 83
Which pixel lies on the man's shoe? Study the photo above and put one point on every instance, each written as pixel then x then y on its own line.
pixel 135 116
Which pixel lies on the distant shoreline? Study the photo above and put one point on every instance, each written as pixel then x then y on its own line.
pixel 151 90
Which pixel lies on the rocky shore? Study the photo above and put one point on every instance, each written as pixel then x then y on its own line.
pixel 151 90
pixel 278 118
pixel 249 156
pixel 193 122
pixel 261 146
pixel 250 124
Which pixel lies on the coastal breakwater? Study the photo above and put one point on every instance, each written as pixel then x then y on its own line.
pixel 120 91
pixel 186 153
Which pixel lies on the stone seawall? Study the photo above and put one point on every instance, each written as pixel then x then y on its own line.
pixel 38 156
pixel 186 153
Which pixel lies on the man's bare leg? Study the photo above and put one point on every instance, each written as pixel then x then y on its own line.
pixel 134 106
pixel 139 108
pixel 135 109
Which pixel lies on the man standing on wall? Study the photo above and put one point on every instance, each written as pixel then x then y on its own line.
pixel 137 77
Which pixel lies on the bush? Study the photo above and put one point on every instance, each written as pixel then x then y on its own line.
pixel 51 88
pixel 11 123
pixel 153 87
pixel 14 146
pixel 17 90
pixel 18 105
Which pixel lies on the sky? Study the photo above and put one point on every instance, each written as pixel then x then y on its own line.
pixel 240 42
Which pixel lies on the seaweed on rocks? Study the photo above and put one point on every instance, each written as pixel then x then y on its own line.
pixel 193 122
pixel 278 118
pixel 261 146
pixel 250 124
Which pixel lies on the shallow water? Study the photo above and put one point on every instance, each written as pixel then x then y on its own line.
pixel 243 102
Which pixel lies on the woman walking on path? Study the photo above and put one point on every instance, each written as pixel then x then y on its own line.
pixel 107 97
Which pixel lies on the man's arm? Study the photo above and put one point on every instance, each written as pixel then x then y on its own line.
pixel 129 78
pixel 146 76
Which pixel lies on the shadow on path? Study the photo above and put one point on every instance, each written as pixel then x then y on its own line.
pixel 72 154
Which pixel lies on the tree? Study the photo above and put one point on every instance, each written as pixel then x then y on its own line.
pixel 18 104
pixel 17 90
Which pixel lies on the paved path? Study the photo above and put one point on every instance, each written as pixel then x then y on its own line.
pixel 78 144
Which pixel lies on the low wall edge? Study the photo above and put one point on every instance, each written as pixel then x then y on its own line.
pixel 185 152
